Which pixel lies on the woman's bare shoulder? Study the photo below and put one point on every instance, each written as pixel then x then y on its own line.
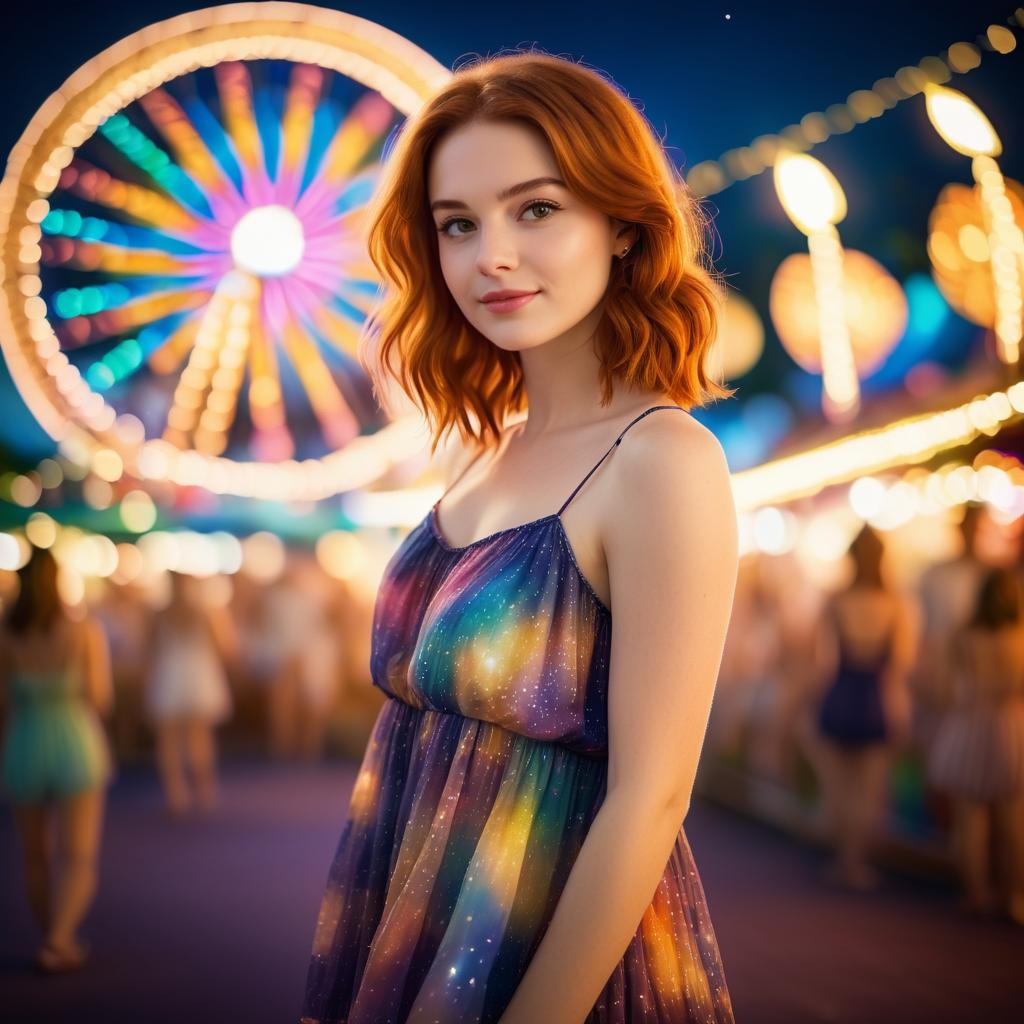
pixel 670 476
pixel 667 451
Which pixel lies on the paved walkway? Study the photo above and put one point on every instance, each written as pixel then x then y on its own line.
pixel 210 921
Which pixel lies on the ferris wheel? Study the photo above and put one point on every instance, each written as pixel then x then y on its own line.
pixel 184 270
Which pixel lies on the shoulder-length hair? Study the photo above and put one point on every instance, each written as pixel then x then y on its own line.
pixel 998 600
pixel 868 554
pixel 38 604
pixel 661 309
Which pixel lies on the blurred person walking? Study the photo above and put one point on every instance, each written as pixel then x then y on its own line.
pixel 295 652
pixel 978 753
pixel 947 591
pixel 55 685
pixel 187 693
pixel 865 650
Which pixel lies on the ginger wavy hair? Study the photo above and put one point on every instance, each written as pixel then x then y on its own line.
pixel 662 306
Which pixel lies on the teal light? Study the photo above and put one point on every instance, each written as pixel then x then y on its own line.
pixel 99 376
pixel 92 300
pixel 53 223
pixel 68 303
pixel 93 229
pixel 72 223
pixel 71 302
pixel 120 362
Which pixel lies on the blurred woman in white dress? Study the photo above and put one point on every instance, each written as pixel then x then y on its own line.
pixel 187 693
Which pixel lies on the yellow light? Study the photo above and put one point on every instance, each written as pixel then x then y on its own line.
pixel 960 123
pixel 97 493
pixel 138 513
pixel 25 490
pixel 740 339
pixel 13 552
pixel 50 473
pixel 874 308
pixel 341 555
pixel 107 465
pixel 129 564
pixel 41 530
pixel 809 192
pixel 263 556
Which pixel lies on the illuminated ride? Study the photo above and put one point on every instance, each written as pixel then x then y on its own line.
pixel 184 268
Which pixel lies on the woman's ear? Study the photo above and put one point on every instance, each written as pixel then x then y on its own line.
pixel 626 236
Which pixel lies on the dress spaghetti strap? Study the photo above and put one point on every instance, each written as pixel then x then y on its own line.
pixel 636 419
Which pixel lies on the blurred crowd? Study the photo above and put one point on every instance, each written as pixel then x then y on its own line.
pixel 845 680
pixel 898 691
pixel 169 673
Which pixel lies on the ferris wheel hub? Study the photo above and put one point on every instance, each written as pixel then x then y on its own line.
pixel 268 241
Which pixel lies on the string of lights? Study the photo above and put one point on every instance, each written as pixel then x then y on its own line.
pixel 713 176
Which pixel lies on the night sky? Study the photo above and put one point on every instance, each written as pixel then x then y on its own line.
pixel 705 81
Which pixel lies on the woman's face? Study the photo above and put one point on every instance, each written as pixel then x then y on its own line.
pixel 541 239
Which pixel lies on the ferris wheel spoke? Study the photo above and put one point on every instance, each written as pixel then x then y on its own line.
pixel 166 355
pixel 111 259
pixel 331 324
pixel 272 438
pixel 132 143
pixel 117 299
pixel 168 117
pixel 339 331
pixel 192 418
pixel 329 207
pixel 328 191
pixel 234 85
pixel 356 294
pixel 80 330
pixel 337 421
pixel 66 223
pixel 321 275
pixel 305 88
pixel 354 196
pixel 370 117
pixel 96 185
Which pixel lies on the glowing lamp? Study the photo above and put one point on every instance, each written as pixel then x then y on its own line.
pixel 268 241
pixel 809 192
pixel 960 123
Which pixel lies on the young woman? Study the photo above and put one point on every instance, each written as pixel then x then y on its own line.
pixel 55 676
pixel 188 694
pixel 978 753
pixel 514 848
pixel 866 642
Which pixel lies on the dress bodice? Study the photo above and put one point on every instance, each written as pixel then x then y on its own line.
pixel 506 629
pixel 31 688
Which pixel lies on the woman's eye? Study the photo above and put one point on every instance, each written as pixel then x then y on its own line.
pixel 443 229
pixel 541 202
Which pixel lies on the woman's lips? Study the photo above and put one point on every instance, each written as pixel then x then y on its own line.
pixel 509 305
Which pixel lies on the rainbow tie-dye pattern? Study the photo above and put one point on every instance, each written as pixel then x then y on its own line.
pixel 482 775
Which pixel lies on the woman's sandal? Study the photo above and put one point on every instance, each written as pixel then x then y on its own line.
pixel 53 960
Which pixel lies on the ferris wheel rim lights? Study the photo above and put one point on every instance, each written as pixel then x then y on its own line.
pixel 57 394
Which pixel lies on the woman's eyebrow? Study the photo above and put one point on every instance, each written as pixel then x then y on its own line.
pixel 508 193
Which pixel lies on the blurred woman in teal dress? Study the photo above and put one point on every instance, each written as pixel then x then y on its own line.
pixel 55 760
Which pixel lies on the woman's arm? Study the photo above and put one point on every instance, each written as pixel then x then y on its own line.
pixel 896 678
pixel 225 639
pixel 96 654
pixel 672 551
